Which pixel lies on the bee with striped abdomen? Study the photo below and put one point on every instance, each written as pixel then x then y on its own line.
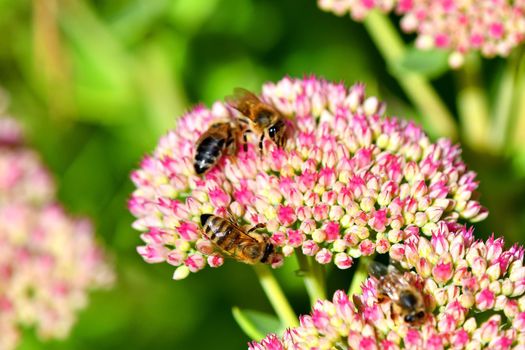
pixel 248 247
pixel 220 138
pixel 407 300
pixel 259 117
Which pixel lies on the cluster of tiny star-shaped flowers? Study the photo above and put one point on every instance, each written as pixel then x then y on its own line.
pixel 348 183
pixel 48 260
pixel 474 294
pixel 493 27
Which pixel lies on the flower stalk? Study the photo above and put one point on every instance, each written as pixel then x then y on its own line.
pixel 360 275
pixel 276 296
pixel 434 113
pixel 506 100
pixel 313 277
pixel 472 105
pixel 518 137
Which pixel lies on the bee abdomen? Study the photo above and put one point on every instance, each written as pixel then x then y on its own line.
pixel 219 231
pixel 208 153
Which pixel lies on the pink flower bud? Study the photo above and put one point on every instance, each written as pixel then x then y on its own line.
pixel 323 256
pixel 343 261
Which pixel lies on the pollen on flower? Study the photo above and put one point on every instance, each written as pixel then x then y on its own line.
pixel 362 322
pixel 48 260
pixel 348 182
pixel 492 27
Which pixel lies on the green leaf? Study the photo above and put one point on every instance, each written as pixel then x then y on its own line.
pixel 257 324
pixel 430 63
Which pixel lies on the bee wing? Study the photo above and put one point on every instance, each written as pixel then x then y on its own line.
pixel 216 130
pixel 242 100
pixel 377 270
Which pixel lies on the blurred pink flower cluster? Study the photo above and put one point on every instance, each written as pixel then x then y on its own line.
pixel 348 183
pixel 474 292
pixel 48 260
pixel 493 27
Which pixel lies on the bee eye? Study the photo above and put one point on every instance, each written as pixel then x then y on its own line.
pixel 408 300
pixel 420 315
pixel 409 318
pixel 272 131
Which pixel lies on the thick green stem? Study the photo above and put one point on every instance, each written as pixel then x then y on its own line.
pixel 506 99
pixel 518 137
pixel 473 106
pixel 434 113
pixel 313 277
pixel 360 274
pixel 276 296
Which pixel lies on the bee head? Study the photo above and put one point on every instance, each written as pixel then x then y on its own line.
pixel 252 251
pixel 414 317
pixel 408 300
pixel 277 132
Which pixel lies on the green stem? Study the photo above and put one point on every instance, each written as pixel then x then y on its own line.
pixel 504 102
pixel 472 105
pixel 318 271
pixel 418 89
pixel 276 296
pixel 518 137
pixel 360 275
pixel 312 274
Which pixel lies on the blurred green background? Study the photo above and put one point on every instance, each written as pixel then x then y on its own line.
pixel 96 83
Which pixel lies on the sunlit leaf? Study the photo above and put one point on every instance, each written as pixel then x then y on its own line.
pixel 257 324
pixel 430 63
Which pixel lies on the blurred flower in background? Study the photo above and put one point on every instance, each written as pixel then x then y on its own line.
pixel 48 259
pixel 488 26
pixel 461 278
pixel 348 183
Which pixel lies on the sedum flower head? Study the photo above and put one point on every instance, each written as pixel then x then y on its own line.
pixel 493 27
pixel 48 260
pixel 349 182
pixel 474 294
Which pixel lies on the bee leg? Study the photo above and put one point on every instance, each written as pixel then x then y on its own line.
pixel 243 120
pixel 256 227
pixel 393 314
pixel 231 147
pixel 244 139
pixel 381 298
pixel 357 303
pixel 261 144
pixel 231 217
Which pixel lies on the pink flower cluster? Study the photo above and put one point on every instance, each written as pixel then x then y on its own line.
pixel 10 132
pixel 48 260
pixel 348 183
pixel 474 291
pixel 493 27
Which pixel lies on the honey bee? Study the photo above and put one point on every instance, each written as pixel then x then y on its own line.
pixel 407 300
pixel 220 138
pixel 248 247
pixel 259 117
